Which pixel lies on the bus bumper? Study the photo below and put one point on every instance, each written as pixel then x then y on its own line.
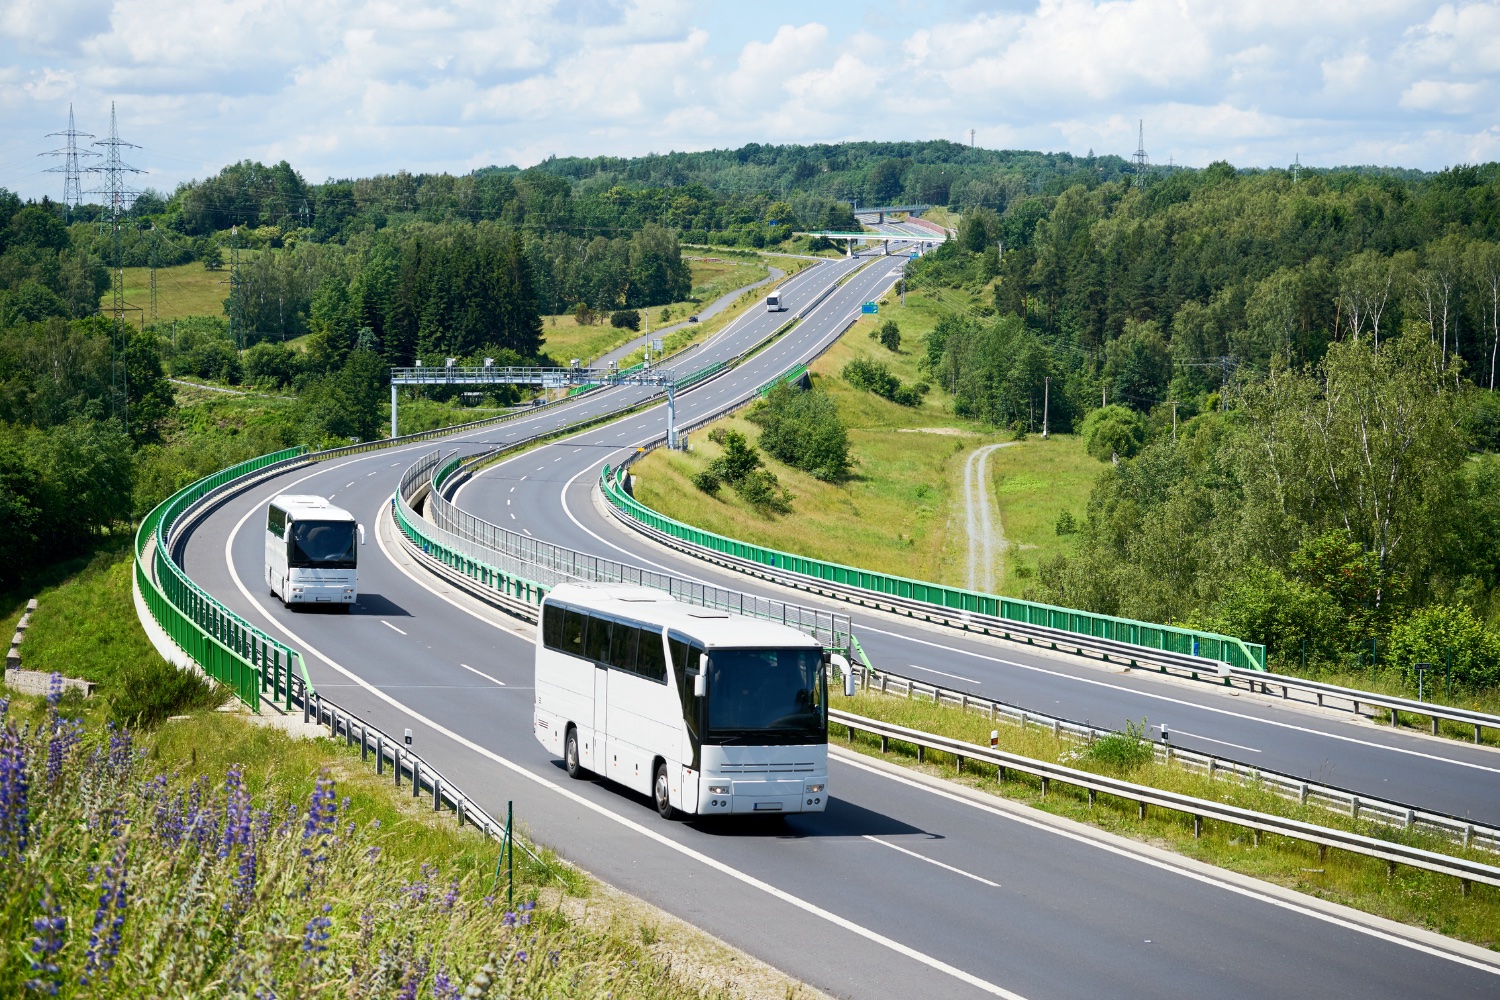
pixel 727 797
pixel 320 595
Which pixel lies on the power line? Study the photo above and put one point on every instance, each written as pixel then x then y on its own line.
pixel 72 181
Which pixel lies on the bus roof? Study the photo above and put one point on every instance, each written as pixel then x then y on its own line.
pixel 308 507
pixel 708 625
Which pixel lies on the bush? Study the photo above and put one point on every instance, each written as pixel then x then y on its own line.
pixel 1432 633
pixel 762 490
pixel 1117 753
pixel 583 315
pixel 740 458
pixel 876 377
pixel 803 430
pixel 707 481
pixel 625 319
pixel 272 364
pixel 151 690
pixel 1262 605
pixel 889 335
pixel 1113 431
pixel 1066 524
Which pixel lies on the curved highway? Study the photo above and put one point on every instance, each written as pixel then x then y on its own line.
pixel 903 887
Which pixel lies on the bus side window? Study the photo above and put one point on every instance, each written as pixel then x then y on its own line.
pixel 552 626
pixel 649 661
pixel 622 647
pixel 596 643
pixel 683 655
pixel 572 631
pixel 276 522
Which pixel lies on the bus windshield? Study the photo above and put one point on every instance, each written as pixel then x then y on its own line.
pixel 766 696
pixel 322 545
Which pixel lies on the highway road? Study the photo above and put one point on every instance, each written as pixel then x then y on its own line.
pixel 901 888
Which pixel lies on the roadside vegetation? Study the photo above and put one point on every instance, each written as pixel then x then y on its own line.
pixel 1409 895
pixel 151 846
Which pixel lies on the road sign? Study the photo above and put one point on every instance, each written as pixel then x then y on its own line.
pixel 869 308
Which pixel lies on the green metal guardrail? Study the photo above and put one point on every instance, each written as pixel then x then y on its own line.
pixel 1168 638
pixel 507 584
pixel 228 648
pixel 790 375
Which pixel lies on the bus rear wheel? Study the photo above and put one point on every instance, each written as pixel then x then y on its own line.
pixel 661 792
pixel 571 760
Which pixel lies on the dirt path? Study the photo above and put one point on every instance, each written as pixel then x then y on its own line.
pixel 986 533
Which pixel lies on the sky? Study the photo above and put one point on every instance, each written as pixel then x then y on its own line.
pixel 347 88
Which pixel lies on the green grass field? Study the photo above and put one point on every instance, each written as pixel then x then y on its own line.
pixel 185 290
pixel 902 511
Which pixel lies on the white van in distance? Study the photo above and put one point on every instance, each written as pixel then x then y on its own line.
pixel 312 551
pixel 706 712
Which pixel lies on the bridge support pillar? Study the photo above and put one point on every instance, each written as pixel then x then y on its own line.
pixel 672 417
pixel 393 409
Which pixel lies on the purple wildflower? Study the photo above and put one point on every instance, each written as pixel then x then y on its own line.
pixel 236 812
pixel 244 880
pixel 451 896
pixel 14 788
pixel 443 988
pixel 109 918
pixel 315 934
pixel 412 979
pixel 321 816
pixel 45 946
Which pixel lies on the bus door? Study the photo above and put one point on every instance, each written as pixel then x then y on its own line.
pixel 601 713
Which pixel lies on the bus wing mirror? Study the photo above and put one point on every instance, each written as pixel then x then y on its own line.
pixel 361 534
pixel 842 664
pixel 700 685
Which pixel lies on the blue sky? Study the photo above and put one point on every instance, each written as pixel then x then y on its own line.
pixel 353 87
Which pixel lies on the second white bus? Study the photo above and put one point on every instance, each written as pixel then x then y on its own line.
pixel 773 303
pixel 312 551
pixel 707 713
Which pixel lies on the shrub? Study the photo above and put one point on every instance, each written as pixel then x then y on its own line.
pixel 889 335
pixel 1117 753
pixel 150 690
pixel 707 482
pixel 272 364
pixel 1262 605
pixel 761 489
pixel 740 458
pixel 1432 633
pixel 583 315
pixel 1066 525
pixel 1113 430
pixel 803 430
pixel 625 319
pixel 876 377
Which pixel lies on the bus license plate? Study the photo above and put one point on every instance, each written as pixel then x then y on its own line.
pixel 768 807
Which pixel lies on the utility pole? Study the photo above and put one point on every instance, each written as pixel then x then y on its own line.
pixel 118 198
pixel 155 263
pixel 971 138
pixel 1296 168
pixel 72 173
pixel 236 323
pixel 1046 402
pixel 1140 156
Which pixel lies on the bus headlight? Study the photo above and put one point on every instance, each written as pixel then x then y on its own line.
pixel 814 789
pixel 718 789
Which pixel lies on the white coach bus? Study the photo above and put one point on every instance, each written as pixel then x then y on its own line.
pixel 773 303
pixel 708 713
pixel 312 551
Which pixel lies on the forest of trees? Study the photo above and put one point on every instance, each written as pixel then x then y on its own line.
pixel 1292 381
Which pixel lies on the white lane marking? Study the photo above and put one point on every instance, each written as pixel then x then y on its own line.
pixel 513 517
pixel 1125 852
pixel 630 824
pixel 528 532
pixel 375 473
pixel 522 479
pixel 390 626
pixel 507 501
pixel 348 484
pixel 930 861
pixel 512 489
pixel 1237 746
pixel 1181 701
pixel 481 673
pixel 944 673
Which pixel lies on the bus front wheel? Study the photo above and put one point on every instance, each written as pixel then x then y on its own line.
pixel 662 793
pixel 570 755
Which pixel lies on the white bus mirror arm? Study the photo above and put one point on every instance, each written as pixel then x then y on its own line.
pixel 841 663
pixel 700 685
pixel 361 534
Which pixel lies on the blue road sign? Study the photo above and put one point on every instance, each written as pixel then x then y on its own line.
pixel 869 308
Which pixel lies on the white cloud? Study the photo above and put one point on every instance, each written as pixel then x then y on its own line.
pixel 350 87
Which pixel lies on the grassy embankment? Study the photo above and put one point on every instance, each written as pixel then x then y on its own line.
pixel 901 512
pixel 1409 895
pixel 231 852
